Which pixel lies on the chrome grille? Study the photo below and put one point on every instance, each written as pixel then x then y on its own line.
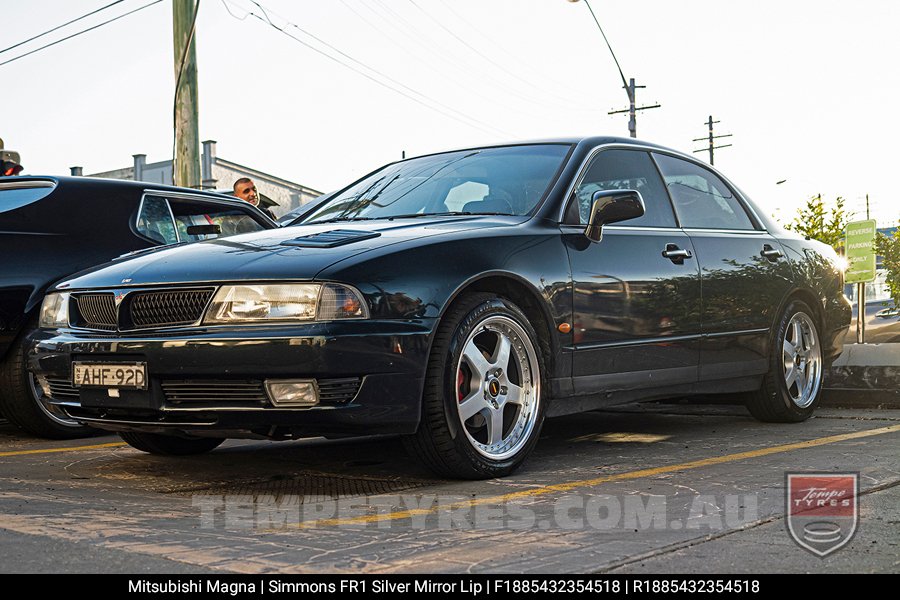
pixel 338 391
pixel 96 311
pixel 167 308
pixel 62 389
pixel 211 392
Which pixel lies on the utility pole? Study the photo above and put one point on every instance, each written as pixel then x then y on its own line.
pixel 632 110
pixel 712 144
pixel 186 162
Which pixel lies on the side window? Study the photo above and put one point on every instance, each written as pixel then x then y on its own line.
pixel 623 170
pixel 701 198
pixel 192 216
pixel 155 221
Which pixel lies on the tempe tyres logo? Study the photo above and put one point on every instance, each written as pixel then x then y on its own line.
pixel 822 510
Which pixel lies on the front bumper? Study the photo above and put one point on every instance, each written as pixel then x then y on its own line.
pixel 210 381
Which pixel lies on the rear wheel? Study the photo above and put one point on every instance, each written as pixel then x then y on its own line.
pixel 23 402
pixel 169 445
pixel 792 389
pixel 482 407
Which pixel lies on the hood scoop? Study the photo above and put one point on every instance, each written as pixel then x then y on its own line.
pixel 331 239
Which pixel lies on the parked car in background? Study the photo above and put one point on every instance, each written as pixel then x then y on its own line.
pixel 51 227
pixel 456 299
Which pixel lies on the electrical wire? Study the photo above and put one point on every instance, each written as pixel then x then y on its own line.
pixel 465 119
pixel 466 71
pixel 382 74
pixel 184 54
pixel 486 57
pixel 131 12
pixel 40 35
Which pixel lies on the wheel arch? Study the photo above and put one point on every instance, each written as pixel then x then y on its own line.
pixel 526 297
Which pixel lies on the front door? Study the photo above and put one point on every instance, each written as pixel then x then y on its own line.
pixel 636 293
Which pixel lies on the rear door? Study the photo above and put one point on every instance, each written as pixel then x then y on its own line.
pixel 636 310
pixel 743 273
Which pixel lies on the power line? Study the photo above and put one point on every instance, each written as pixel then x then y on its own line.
pixel 380 73
pixel 40 35
pixel 478 52
pixel 411 31
pixel 465 119
pixel 131 12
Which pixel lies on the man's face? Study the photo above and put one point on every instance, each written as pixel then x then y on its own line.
pixel 247 192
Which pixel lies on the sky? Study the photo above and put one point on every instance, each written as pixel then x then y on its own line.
pixel 808 89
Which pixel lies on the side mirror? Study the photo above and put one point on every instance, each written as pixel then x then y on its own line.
pixel 612 206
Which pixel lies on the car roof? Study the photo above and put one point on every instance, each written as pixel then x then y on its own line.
pixel 65 181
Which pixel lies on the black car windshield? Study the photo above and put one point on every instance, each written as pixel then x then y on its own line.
pixel 508 180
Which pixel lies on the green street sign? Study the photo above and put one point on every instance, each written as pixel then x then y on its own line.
pixel 860 245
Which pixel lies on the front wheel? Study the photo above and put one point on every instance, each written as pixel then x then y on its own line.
pixel 23 402
pixel 792 389
pixel 482 407
pixel 169 445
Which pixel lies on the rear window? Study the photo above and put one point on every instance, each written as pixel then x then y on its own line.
pixel 168 221
pixel 13 195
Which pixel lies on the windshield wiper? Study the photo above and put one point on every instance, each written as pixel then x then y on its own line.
pixel 455 213
pixel 337 219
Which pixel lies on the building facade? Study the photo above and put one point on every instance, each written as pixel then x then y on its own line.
pixel 217 174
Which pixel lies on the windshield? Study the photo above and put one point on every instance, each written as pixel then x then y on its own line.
pixel 497 181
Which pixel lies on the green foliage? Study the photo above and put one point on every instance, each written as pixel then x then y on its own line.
pixel 888 247
pixel 817 222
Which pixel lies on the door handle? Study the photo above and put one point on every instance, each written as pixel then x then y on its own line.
pixel 676 254
pixel 771 253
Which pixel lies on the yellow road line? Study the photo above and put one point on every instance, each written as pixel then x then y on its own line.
pixel 571 485
pixel 68 449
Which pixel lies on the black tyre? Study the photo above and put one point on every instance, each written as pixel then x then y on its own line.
pixel 792 388
pixel 169 445
pixel 482 406
pixel 23 403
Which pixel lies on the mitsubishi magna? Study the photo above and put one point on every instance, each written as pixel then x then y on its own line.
pixel 456 299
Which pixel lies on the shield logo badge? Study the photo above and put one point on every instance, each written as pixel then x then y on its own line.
pixel 822 510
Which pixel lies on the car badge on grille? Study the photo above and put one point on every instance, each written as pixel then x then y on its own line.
pixel 118 297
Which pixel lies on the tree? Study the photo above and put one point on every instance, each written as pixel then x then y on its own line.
pixel 817 222
pixel 888 247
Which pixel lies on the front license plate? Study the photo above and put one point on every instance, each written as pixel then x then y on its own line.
pixel 110 375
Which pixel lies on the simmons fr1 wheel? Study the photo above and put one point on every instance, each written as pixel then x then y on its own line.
pixel 793 387
pixel 482 407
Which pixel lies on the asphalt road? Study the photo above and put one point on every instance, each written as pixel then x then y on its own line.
pixel 645 488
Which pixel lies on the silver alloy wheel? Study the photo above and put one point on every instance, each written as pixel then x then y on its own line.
pixel 53 412
pixel 802 356
pixel 498 387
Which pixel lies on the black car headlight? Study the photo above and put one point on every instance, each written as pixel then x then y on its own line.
pixel 285 302
pixel 55 311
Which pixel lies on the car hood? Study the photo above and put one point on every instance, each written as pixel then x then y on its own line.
pixel 290 253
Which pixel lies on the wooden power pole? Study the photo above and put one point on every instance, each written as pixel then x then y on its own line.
pixel 186 165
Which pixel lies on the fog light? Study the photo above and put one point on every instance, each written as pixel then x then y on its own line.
pixel 293 392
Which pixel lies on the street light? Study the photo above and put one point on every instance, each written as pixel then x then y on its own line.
pixel 629 85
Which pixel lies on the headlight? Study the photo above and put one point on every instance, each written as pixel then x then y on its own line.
pixel 285 302
pixel 55 311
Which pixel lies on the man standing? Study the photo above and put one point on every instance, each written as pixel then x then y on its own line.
pixel 245 189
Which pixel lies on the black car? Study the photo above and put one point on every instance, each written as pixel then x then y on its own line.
pixel 52 227
pixel 457 299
